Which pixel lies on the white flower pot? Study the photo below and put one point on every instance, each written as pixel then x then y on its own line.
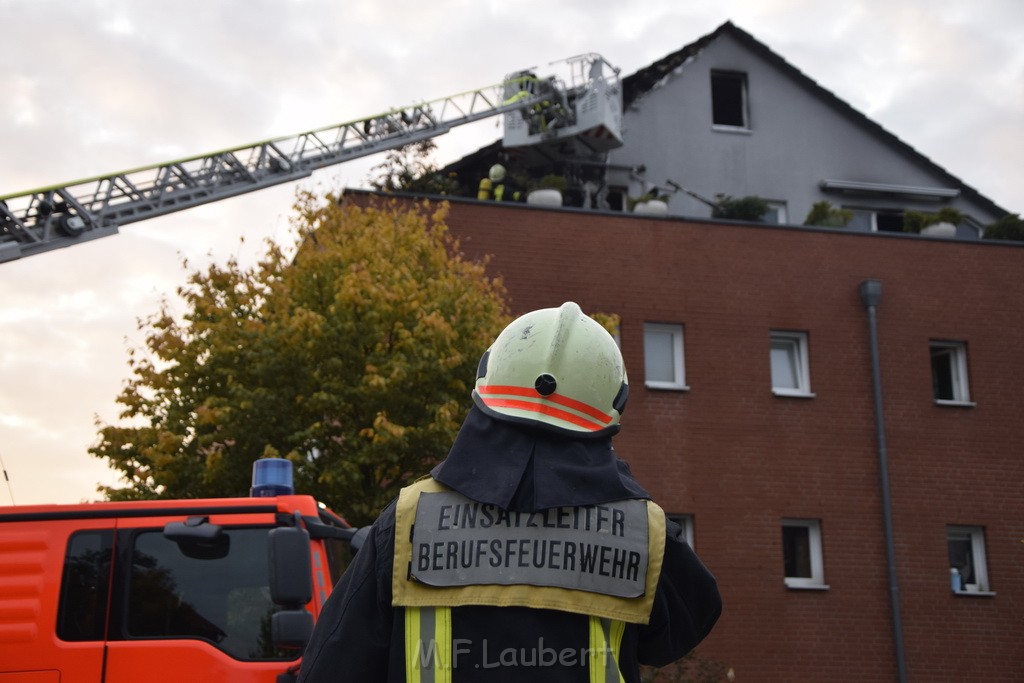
pixel 545 197
pixel 940 230
pixel 651 206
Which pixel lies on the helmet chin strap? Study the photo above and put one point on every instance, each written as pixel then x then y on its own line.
pixel 481 368
pixel 620 398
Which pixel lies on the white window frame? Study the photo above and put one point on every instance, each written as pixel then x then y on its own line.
pixel 678 382
pixel 686 522
pixel 744 101
pixel 976 534
pixel 872 217
pixel 781 215
pixel 957 369
pixel 797 342
pixel 816 581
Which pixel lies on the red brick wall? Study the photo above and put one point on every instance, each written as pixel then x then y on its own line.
pixel 739 459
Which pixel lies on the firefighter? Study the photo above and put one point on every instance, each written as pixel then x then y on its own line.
pixel 484 189
pixel 530 552
pixel 496 186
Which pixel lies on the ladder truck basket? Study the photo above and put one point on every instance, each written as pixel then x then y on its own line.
pixel 588 105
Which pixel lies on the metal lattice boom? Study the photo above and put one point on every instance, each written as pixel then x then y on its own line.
pixel 61 215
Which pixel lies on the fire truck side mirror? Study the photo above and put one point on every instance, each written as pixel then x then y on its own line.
pixel 291 629
pixel 291 586
pixel 291 574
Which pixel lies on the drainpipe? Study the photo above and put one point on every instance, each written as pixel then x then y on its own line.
pixel 870 295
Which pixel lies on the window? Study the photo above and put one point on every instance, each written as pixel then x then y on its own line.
pixel 190 592
pixel 790 368
pixel 862 220
pixel 889 221
pixel 776 213
pixel 339 557
pixel 967 568
pixel 685 522
pixel 871 220
pixel 729 99
pixel 663 356
pixel 615 196
pixel 801 553
pixel 83 589
pixel 949 372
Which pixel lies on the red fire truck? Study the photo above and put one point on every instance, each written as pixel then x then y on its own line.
pixel 222 589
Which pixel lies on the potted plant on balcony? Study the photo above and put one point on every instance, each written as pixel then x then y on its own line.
pixel 750 208
pixel 650 202
pixel 1009 227
pixel 942 223
pixel 823 214
pixel 548 190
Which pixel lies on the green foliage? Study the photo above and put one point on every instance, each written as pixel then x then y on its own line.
pixel 916 221
pixel 354 360
pixel 1009 227
pixel 551 181
pixel 742 209
pixel 410 168
pixel 612 322
pixel 823 214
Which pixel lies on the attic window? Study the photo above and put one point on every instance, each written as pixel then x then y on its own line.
pixel 729 99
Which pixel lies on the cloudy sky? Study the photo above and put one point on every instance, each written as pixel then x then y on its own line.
pixel 91 87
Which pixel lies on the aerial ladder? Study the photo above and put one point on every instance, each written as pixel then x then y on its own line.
pixel 585 105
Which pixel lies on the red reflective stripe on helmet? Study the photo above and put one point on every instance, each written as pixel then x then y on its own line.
pixel 544 409
pixel 580 406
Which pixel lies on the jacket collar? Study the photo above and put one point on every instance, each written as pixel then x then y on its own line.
pixel 519 468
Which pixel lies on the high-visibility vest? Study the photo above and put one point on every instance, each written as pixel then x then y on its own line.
pixel 436 528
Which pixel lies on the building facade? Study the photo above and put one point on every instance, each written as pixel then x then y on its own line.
pixel 725 117
pixel 752 418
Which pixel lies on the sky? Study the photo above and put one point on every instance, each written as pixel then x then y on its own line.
pixel 92 87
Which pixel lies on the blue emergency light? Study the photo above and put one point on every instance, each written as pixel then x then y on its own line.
pixel 272 477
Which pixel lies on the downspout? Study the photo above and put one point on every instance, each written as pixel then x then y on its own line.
pixel 870 295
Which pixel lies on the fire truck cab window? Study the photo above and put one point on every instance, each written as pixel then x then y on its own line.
pixel 220 597
pixel 339 556
pixel 83 588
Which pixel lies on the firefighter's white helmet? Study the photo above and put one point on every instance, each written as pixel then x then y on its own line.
pixel 555 368
pixel 497 173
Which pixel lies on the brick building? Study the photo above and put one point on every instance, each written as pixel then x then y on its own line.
pixel 832 509
pixel 752 417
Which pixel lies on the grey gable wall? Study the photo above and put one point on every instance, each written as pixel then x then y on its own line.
pixel 797 138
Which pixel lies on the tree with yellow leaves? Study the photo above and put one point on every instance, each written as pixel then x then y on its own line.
pixel 354 359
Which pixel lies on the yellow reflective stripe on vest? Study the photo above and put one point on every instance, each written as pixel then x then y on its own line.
pixel 605 642
pixel 428 645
